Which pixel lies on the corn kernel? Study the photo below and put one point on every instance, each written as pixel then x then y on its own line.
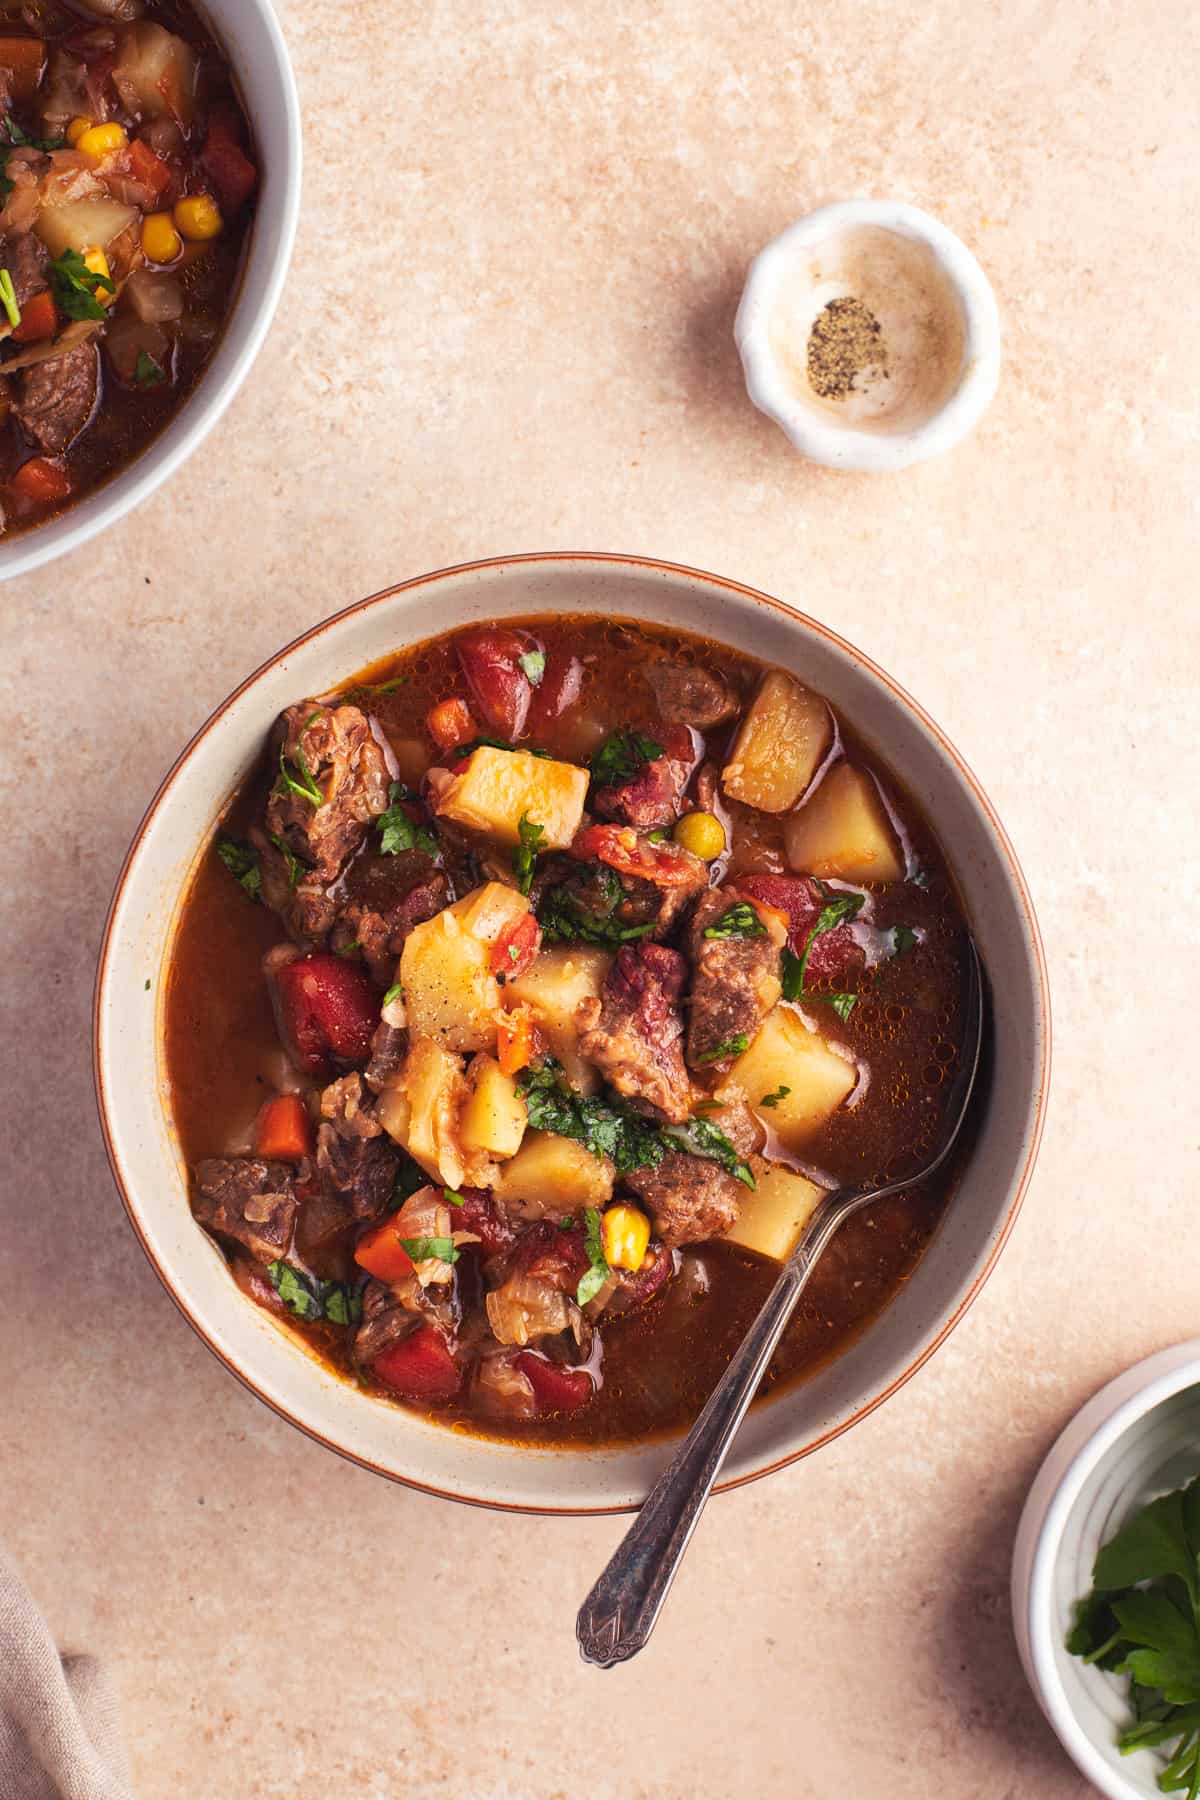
pixel 160 240
pixel 76 129
pixel 97 263
pixel 102 140
pixel 625 1234
pixel 198 217
pixel 700 833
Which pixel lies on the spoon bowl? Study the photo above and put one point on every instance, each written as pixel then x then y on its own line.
pixel 619 1614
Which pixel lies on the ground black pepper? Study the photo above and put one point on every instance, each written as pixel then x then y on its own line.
pixel 846 339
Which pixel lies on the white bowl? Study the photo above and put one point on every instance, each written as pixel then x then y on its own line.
pixel 938 318
pixel 250 36
pixel 132 1092
pixel 1137 1438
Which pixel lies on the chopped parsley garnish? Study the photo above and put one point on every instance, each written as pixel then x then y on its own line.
pixel 781 1093
pixel 241 859
pixel 310 1298
pixel 565 917
pixel 525 855
pixel 426 1249
pixel 295 867
pixel 903 939
pixel 732 1046
pixel 659 835
pixel 146 372
pixel 533 662
pixel 397 831
pixel 838 909
pixel 451 1198
pixel 8 298
pixel 297 777
pixel 621 755
pixel 348 949
pixel 75 287
pixel 612 1128
pixel 18 138
pixel 739 921
pixel 395 992
pixel 598 1270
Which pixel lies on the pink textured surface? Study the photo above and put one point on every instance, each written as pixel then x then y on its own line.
pixel 509 327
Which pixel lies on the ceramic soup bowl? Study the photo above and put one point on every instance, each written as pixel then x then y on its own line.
pixel 134 1098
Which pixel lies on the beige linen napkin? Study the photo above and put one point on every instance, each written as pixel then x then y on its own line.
pixel 60 1738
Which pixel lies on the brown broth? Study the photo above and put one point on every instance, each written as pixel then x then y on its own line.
pixel 659 1364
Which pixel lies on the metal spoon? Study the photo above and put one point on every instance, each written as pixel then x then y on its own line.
pixel 616 1619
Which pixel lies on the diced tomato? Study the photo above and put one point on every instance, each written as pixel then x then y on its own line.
pixel 421 1366
pixel 326 1010
pixel 516 947
pixel 480 1214
pixel 382 1254
pixel 450 723
pixel 555 1389
pixel 283 1129
pixel 25 58
pixel 41 481
pixel 665 864
pixel 148 168
pixel 230 170
pixel 490 659
pixel 835 952
pixel 558 689
pixel 39 319
pixel 551 1254
pixel 515 1039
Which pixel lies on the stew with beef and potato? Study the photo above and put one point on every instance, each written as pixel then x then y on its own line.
pixel 127 177
pixel 529 996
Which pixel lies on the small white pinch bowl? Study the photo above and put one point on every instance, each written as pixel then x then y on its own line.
pixel 1137 1438
pixel 938 319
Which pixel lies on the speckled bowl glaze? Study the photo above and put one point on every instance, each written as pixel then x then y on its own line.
pixel 1137 1438
pixel 135 1104
pixel 250 34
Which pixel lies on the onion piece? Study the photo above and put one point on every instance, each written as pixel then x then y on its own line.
pixel 73 335
pixel 155 298
pixel 526 1308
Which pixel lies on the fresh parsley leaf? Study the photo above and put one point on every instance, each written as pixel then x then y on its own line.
pixel 395 992
pixel 397 831
pixel 903 939
pixel 75 287
pixel 16 137
pixel 146 372
pixel 781 1093
pixel 838 909
pixel 525 855
pixel 8 298
pixel 598 1270
pixel 621 755
pixel 732 1046
pixel 842 1004
pixel 659 835
pixel 533 662
pixel 739 921
pixel 310 1298
pixel 241 859
pixel 423 1249
pixel 298 778
pixel 565 917
pixel 348 949
pixel 295 867
pixel 700 1137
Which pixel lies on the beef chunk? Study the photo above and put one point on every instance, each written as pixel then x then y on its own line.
pixel 633 883
pixel 343 759
pixel 349 1109
pixel 653 796
pixel 389 1048
pixel 384 1320
pixel 251 1201
pixel 380 934
pixel 634 1032
pixel 359 1171
pixel 58 398
pixel 26 258
pixel 735 980
pixel 690 1198
pixel 689 696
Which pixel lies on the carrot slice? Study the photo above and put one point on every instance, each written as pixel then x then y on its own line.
pixel 148 168
pixel 450 723
pixel 39 319
pixel 283 1132
pixel 515 1040
pixel 41 481
pixel 382 1254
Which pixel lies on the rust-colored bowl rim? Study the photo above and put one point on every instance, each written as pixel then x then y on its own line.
pixel 655 565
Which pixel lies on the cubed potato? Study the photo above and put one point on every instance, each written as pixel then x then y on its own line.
pixel 494 1117
pixel 88 224
pixel 786 1054
pixel 498 788
pixel 450 993
pixel 774 1215
pixel 552 1174
pixel 784 739
pixel 844 831
pixel 421 1111
pixel 552 989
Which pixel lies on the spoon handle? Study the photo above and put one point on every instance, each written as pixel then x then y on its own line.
pixel 618 1615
